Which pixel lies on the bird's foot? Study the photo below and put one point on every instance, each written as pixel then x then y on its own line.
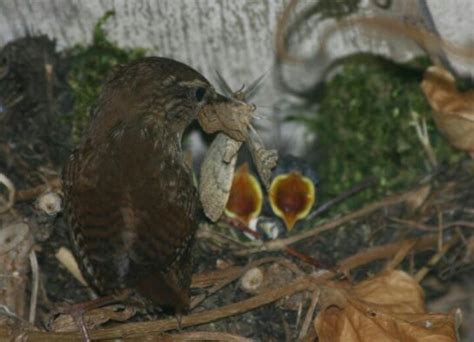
pixel 77 311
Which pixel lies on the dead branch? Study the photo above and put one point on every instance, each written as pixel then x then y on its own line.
pixel 309 314
pixel 386 251
pixel 34 286
pixel 207 336
pixel 305 283
pixel 435 258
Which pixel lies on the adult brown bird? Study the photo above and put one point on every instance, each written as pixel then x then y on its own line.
pixel 130 199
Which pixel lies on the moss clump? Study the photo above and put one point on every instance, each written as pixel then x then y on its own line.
pixel 335 8
pixel 365 128
pixel 89 67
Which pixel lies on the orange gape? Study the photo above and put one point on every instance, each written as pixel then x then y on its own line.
pixel 292 196
pixel 453 111
pixel 246 198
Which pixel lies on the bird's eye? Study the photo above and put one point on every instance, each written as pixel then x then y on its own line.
pixel 200 93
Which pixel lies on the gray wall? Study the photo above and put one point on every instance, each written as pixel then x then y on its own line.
pixel 233 36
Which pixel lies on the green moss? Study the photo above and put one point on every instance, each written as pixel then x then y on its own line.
pixel 335 8
pixel 89 67
pixel 365 128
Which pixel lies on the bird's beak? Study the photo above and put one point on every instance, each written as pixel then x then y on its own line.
pixel 291 197
pixel 246 198
pixel 226 115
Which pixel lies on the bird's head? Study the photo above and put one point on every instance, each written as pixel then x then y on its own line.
pixel 175 94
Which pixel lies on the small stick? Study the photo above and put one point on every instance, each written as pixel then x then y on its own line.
pixel 343 196
pixel 207 336
pixel 303 257
pixel 440 229
pixel 406 248
pixel 434 259
pixel 305 283
pixel 384 252
pixel 236 223
pixel 309 314
pixel 34 286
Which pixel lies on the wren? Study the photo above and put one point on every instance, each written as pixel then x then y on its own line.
pixel 131 203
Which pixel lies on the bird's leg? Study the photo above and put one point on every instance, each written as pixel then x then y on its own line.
pixel 77 311
pixel 179 320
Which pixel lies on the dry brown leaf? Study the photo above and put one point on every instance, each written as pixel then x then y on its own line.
pixel 453 111
pixel 389 307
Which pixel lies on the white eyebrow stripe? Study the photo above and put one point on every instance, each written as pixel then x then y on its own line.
pixel 169 80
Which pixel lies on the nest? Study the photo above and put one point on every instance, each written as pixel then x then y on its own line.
pixel 260 290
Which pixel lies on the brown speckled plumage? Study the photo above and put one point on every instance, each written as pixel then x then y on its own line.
pixel 131 201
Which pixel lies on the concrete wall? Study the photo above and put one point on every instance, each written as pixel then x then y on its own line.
pixel 232 36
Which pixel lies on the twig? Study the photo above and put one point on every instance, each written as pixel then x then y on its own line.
pixel 309 314
pixel 343 196
pixel 406 248
pixel 440 228
pixel 414 224
pixel 280 244
pixel 34 286
pixel 235 223
pixel 384 252
pixel 422 133
pixel 428 228
pixel 207 336
pixel 435 258
pixel 207 279
pixel 305 283
pixel 205 233
pixel 303 257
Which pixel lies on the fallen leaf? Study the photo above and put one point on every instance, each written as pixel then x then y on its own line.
pixel 453 111
pixel 389 307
